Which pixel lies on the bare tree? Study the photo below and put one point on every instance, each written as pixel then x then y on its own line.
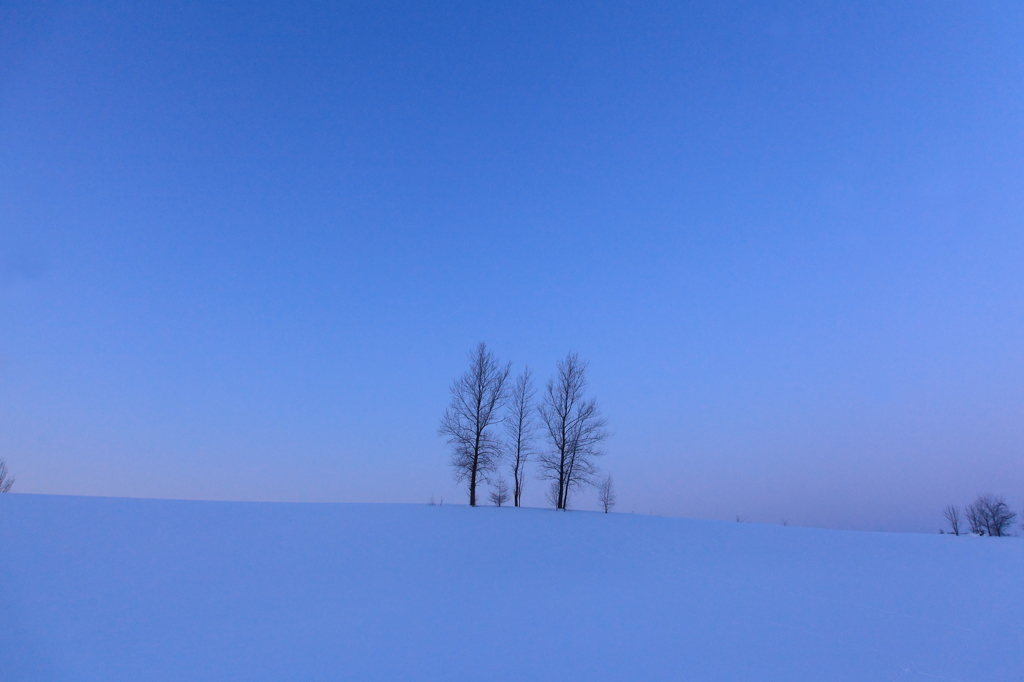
pixel 952 514
pixel 477 398
pixel 1000 518
pixel 6 480
pixel 976 519
pixel 990 515
pixel 552 494
pixel 575 430
pixel 499 495
pixel 520 428
pixel 606 494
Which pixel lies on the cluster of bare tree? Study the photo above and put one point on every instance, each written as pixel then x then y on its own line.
pixel 987 515
pixel 483 399
pixel 6 480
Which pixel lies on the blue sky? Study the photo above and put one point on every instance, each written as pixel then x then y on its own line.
pixel 245 248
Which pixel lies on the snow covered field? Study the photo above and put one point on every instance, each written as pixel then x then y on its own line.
pixel 136 590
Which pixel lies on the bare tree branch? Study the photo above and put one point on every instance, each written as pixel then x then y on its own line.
pixel 6 480
pixel 477 398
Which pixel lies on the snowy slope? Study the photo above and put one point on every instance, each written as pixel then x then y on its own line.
pixel 136 590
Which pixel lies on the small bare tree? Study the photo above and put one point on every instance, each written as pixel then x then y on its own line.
pixel 6 480
pixel 552 494
pixel 477 398
pixel 606 494
pixel 519 429
pixel 952 514
pixel 574 428
pixel 990 515
pixel 499 495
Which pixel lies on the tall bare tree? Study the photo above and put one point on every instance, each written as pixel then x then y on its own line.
pixel 477 398
pixel 990 515
pixel 6 480
pixel 575 430
pixel 606 494
pixel 952 514
pixel 519 429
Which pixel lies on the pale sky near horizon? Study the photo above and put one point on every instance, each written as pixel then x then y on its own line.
pixel 245 248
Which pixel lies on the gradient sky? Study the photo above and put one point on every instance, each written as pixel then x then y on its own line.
pixel 244 249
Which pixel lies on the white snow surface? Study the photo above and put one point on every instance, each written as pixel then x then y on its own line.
pixel 137 590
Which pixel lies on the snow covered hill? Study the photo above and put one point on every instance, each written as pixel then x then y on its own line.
pixel 138 590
